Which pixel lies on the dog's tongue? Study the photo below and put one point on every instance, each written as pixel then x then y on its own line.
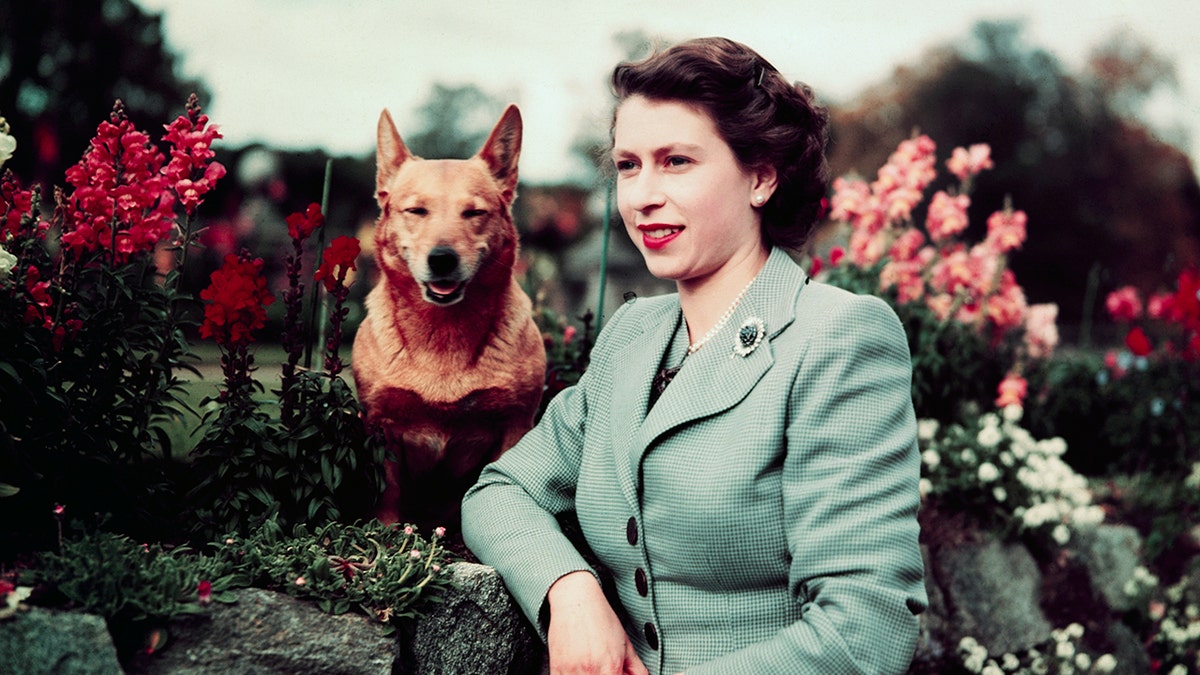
pixel 443 289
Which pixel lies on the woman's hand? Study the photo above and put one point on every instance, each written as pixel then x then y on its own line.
pixel 585 635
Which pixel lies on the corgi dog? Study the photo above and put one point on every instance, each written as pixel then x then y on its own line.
pixel 448 361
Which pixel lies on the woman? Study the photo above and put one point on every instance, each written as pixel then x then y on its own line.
pixel 740 456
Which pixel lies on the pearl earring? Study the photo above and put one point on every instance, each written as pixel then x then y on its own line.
pixel 758 199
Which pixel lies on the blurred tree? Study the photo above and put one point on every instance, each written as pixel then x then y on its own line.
pixel 454 122
pixel 1098 187
pixel 63 63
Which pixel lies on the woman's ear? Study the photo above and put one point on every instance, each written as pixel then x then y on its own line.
pixel 763 183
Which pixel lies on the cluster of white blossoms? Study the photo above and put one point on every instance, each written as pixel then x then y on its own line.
pixel 8 144
pixel 1061 655
pixel 1176 640
pixel 1021 475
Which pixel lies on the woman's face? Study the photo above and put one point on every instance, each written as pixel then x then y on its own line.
pixel 687 203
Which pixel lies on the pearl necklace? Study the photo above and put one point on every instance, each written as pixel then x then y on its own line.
pixel 695 346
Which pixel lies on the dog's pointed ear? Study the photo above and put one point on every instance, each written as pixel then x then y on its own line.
pixel 391 153
pixel 502 150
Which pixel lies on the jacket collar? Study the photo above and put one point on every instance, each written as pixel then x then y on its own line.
pixel 711 380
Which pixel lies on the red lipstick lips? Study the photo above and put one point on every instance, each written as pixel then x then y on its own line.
pixel 656 236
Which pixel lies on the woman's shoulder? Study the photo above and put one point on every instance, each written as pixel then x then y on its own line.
pixel 632 317
pixel 819 298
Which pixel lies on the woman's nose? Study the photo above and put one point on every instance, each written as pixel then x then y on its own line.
pixel 644 191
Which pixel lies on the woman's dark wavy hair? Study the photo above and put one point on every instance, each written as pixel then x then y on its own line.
pixel 765 120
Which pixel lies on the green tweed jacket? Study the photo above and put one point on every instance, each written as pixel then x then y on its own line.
pixel 760 519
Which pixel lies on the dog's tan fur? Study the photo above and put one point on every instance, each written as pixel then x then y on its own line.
pixel 448 361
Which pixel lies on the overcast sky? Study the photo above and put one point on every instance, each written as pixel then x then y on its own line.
pixel 304 74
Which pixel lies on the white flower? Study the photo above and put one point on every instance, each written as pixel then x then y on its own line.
pixel 1053 446
pixel 926 429
pixel 925 486
pixel 992 669
pixel 7 262
pixel 1075 630
pixel 1179 669
pixel 931 458
pixel 8 144
pixel 1007 459
pixel 1064 650
pixel 1012 413
pixel 999 493
pixel 988 472
pixel 1039 666
pixel 1010 662
pixel 973 662
pixel 967 456
pixel 989 436
pixel 1061 534
pixel 1106 663
pixel 1083 661
pixel 1193 479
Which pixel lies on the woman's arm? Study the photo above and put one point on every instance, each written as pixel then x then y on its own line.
pixel 850 501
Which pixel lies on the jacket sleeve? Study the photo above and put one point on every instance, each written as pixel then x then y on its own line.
pixel 510 517
pixel 850 499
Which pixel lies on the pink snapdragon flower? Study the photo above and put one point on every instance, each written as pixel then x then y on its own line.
pixel 1006 230
pixel 1012 391
pixel 1041 330
pixel 947 216
pixel 967 162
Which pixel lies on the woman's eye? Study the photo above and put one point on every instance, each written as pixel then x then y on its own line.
pixel 624 165
pixel 675 160
pixel 474 213
pixel 417 211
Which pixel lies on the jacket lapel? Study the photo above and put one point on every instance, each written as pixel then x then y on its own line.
pixel 715 378
pixel 637 364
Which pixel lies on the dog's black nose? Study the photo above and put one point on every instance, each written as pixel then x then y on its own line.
pixel 442 261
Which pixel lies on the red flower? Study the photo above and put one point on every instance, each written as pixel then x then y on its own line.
pixel 237 301
pixel 5 588
pixel 302 225
pixel 1137 342
pixel 337 261
pixel 204 591
pixel 1186 306
pixel 814 268
pixel 1012 391
pixel 117 185
pixel 835 255
pixel 1124 304
pixel 191 171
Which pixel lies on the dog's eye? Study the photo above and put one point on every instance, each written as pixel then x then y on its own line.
pixel 474 213
pixel 417 211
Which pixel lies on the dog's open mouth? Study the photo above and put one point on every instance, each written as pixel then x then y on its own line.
pixel 444 292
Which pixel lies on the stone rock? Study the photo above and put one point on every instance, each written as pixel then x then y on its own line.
pixel 267 632
pixel 991 591
pixel 1110 553
pixel 1127 649
pixel 43 641
pixel 476 629
pixel 934 621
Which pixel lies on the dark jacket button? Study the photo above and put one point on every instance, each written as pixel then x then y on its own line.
pixel 631 531
pixel 651 636
pixel 639 578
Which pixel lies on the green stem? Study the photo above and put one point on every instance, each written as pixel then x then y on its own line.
pixel 316 292
pixel 608 199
